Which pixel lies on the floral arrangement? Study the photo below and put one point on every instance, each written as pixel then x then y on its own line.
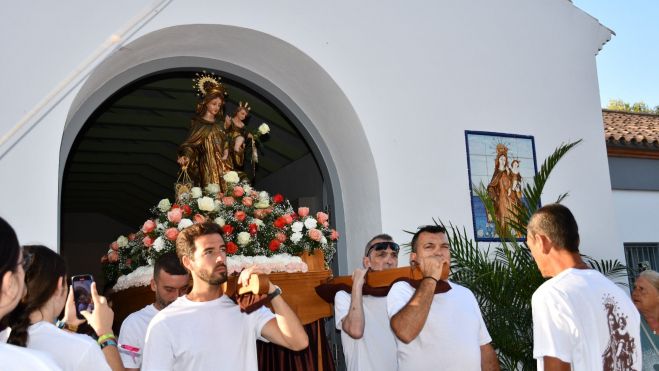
pixel 257 228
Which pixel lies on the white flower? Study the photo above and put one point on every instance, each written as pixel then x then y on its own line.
pixel 218 205
pixel 297 227
pixel 206 204
pixel 258 222
pixel 264 196
pixel 220 221
pixel 296 237
pixel 212 188
pixel 262 204
pixel 243 238
pixel 196 192
pixel 247 188
pixel 184 223
pixel 231 177
pixel 323 241
pixel 264 129
pixel 160 227
pixel 122 241
pixel 310 223
pixel 158 244
pixel 164 205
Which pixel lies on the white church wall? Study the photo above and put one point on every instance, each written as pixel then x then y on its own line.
pixel 636 214
pixel 417 75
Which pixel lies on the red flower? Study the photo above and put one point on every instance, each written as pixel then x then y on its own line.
pixel 227 229
pixel 238 191
pixel 232 248
pixel 149 226
pixel 147 241
pixel 274 245
pixel 280 222
pixel 240 215
pixel 278 198
pixel 176 206
pixel 253 228
pixel 186 210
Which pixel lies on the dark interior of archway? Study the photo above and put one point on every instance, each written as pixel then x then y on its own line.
pixel 124 160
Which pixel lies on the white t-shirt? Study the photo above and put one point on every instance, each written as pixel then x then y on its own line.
pixel 211 335
pixel 578 318
pixel 13 358
pixel 452 335
pixel 133 333
pixel 71 352
pixel 376 350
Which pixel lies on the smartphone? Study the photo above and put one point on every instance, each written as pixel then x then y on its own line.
pixel 82 293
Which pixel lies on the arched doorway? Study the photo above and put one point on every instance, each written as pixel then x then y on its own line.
pixel 306 92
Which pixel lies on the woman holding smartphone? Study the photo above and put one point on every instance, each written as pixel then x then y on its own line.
pixel 11 291
pixel 32 322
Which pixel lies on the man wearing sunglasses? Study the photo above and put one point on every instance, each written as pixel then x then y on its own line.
pixel 368 343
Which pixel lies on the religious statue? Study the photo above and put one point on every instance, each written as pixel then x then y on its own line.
pixel 203 155
pixel 236 135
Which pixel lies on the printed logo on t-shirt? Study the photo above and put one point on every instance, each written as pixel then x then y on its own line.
pixel 619 352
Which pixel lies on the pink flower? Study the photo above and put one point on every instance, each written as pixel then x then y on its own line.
pixel 147 241
pixel 129 261
pixel 260 213
pixel 315 234
pixel 240 215
pixel 149 226
pixel 131 237
pixel 238 191
pixel 175 215
pixel 321 217
pixel 113 256
pixel 104 259
pixel 171 234
pixel 248 201
pixel 227 200
pixel 281 237
pixel 334 235
pixel 325 224
pixel 254 194
pixel 114 246
pixel 302 211
pixel 288 218
pixel 198 218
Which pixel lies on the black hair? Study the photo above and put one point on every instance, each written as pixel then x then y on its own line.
pixel 170 263
pixel 434 229
pixel 558 223
pixel 9 248
pixel 41 282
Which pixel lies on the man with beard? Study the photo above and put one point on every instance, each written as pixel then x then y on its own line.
pixel 170 280
pixel 205 330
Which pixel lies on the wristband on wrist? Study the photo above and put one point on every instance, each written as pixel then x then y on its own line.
pixel 108 336
pixel 107 342
pixel 432 278
pixel 275 293
pixel 65 326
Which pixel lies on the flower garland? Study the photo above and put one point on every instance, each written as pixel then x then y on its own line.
pixel 255 225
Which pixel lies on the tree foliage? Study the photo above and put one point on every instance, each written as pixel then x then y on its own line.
pixel 638 107
pixel 504 276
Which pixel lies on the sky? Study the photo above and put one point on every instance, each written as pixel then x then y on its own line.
pixel 628 65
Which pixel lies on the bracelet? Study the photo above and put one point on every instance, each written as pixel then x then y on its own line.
pixel 275 293
pixel 108 336
pixel 65 326
pixel 60 324
pixel 108 342
pixel 432 278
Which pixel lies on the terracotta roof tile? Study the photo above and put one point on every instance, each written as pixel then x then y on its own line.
pixel 631 129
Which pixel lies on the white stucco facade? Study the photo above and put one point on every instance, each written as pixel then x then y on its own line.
pixel 637 213
pixel 387 89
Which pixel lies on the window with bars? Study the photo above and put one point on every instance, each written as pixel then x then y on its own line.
pixel 641 255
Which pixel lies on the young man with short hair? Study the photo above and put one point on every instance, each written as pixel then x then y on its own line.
pixel 581 319
pixel 170 280
pixel 368 343
pixel 205 330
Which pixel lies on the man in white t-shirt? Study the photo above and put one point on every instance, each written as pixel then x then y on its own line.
pixel 437 330
pixel 170 280
pixel 368 343
pixel 581 319
pixel 205 330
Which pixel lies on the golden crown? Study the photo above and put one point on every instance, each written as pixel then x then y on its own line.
pixel 207 83
pixel 244 105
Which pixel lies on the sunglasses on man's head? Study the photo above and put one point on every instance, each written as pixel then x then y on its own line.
pixel 383 246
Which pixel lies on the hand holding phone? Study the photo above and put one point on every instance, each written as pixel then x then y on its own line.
pixel 82 293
